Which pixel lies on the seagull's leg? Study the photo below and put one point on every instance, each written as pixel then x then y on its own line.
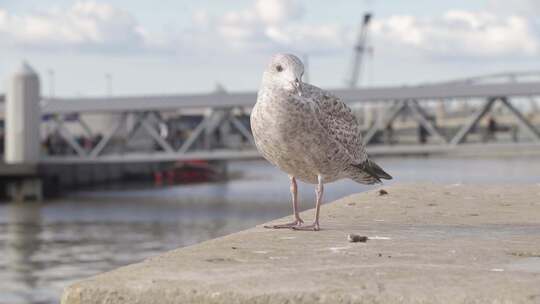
pixel 319 191
pixel 297 220
pixel 294 196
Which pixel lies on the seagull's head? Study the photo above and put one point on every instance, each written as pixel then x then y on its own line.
pixel 285 71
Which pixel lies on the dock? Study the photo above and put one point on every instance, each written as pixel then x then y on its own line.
pixel 427 243
pixel 95 140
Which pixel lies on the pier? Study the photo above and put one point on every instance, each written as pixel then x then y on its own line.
pixel 426 243
pixel 73 141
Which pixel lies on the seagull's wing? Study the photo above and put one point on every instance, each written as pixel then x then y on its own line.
pixel 337 119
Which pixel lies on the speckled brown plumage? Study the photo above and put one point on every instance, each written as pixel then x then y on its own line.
pixel 307 132
pixel 315 133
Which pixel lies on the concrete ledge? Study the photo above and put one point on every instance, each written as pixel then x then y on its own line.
pixel 428 244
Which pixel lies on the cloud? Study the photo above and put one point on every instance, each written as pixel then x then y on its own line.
pixel 520 7
pixel 460 33
pixel 84 25
pixel 270 25
pixel 275 25
pixel 265 25
pixel 278 11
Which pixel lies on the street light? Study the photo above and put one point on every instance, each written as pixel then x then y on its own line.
pixel 51 82
pixel 108 84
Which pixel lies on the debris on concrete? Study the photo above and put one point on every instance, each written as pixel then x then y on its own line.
pixel 383 192
pixel 355 238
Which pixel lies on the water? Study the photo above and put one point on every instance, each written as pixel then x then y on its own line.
pixel 45 247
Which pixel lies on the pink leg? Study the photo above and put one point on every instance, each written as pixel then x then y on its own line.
pixel 319 191
pixel 297 220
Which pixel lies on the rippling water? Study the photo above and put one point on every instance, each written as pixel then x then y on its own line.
pixel 46 246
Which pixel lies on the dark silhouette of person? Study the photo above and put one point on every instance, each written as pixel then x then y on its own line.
pixel 491 128
pixel 422 134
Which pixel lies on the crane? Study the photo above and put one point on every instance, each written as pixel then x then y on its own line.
pixel 359 50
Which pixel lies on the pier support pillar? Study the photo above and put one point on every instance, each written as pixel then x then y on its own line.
pixel 22 120
pixel 22 135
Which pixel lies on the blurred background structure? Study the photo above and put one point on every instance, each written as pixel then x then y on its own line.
pixel 130 120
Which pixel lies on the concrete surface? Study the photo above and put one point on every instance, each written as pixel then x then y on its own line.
pixel 428 244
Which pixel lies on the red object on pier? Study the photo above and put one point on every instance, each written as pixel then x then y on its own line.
pixel 158 178
pixel 193 171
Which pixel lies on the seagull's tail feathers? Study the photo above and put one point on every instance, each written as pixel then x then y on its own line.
pixel 368 172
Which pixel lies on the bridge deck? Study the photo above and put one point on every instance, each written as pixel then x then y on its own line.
pixel 215 100
pixel 19 170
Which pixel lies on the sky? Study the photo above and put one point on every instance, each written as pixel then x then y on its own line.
pixel 170 46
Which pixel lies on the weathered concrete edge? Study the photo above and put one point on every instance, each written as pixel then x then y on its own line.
pixel 106 288
pixel 75 293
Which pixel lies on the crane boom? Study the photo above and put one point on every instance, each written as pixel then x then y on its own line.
pixel 359 50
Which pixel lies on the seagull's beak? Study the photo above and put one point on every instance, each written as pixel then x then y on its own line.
pixel 298 85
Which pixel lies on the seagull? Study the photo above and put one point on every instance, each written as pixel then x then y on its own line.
pixel 309 133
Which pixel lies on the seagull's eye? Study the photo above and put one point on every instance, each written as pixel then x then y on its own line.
pixel 279 68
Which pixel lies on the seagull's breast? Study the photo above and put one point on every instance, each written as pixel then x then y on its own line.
pixel 288 135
